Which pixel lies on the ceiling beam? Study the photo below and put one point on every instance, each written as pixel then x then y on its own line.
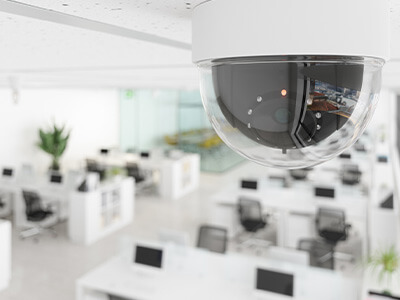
pixel 39 13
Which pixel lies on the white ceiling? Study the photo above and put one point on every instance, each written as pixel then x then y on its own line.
pixel 42 53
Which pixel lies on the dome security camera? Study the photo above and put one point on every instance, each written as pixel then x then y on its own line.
pixel 289 83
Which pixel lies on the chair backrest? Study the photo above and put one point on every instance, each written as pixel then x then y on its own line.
pixel 92 165
pixel 249 210
pixel 133 169
pixel 321 254
pixel 331 224
pixel 212 238
pixel 32 202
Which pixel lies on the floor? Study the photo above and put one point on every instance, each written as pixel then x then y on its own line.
pixel 47 270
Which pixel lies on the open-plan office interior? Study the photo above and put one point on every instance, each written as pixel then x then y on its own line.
pixel 114 184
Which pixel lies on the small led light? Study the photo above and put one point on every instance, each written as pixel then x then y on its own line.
pixel 284 93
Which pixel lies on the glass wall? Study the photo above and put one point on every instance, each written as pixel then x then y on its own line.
pixel 172 119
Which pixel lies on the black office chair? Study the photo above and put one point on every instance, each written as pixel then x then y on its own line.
pixel 134 171
pixel 2 203
pixel 5 206
pixel 331 225
pixel 250 214
pixel 212 238
pixel 320 253
pixel 37 215
pixel 351 174
pixel 94 167
pixel 252 220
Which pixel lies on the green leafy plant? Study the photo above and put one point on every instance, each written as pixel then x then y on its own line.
pixel 385 264
pixel 115 171
pixel 54 142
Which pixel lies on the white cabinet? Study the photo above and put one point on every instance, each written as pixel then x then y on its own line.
pixel 179 177
pixel 5 254
pixel 93 215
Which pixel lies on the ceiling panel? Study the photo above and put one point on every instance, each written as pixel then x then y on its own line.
pixel 31 47
pixel 166 18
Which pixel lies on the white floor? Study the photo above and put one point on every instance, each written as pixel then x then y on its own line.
pixel 47 270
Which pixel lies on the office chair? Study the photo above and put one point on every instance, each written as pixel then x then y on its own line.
pixel 252 220
pixel 36 215
pixel 212 238
pixel 319 251
pixel 250 214
pixel 2 203
pixel 350 174
pixel 331 225
pixel 94 167
pixel 5 207
pixel 134 171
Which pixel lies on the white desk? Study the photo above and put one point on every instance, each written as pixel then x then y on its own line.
pixel 295 207
pixel 195 274
pixel 5 254
pixel 95 214
pixel 178 176
pixel 8 190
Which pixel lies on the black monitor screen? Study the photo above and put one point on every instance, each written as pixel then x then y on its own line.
pixel 275 282
pixel 56 178
pixel 382 159
pixel 144 154
pixel 248 184
pixel 325 192
pixel 7 172
pixel 104 151
pixel 345 155
pixel 148 256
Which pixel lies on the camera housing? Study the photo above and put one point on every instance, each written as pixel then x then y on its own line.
pixel 277 84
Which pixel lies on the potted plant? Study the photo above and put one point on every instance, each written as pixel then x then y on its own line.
pixel 384 265
pixel 54 142
pixel 116 173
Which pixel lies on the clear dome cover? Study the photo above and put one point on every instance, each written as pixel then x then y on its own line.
pixel 290 112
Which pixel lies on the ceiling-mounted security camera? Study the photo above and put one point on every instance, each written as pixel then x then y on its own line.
pixel 290 83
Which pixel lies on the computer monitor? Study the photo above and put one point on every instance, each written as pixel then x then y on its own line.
pixel 249 184
pixel 56 178
pixel 145 154
pixel 345 155
pixel 104 151
pixel 275 282
pixel 7 172
pixel 325 192
pixel 147 256
pixel 382 158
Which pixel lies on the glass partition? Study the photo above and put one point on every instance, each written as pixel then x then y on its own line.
pixel 172 119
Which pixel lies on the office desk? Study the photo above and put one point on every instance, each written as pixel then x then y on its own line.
pixel 8 191
pixel 5 254
pixel 196 274
pixel 95 214
pixel 294 207
pixel 177 176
